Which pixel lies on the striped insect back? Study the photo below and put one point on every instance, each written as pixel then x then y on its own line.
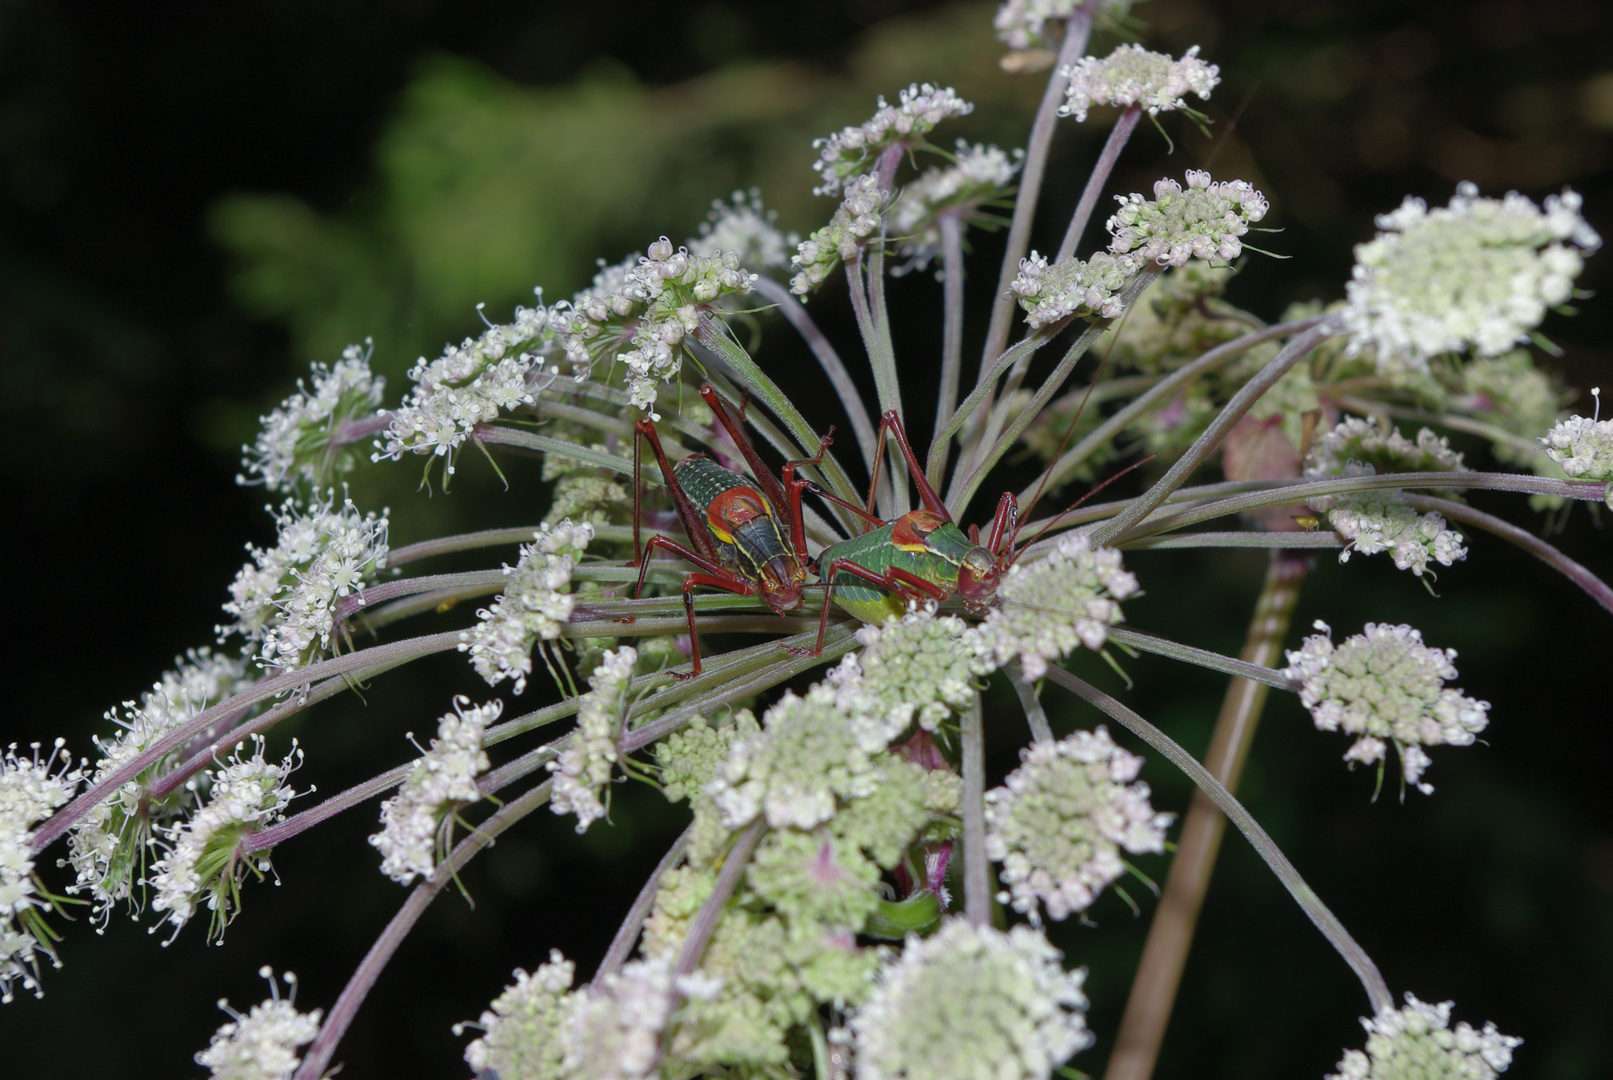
pixel 742 521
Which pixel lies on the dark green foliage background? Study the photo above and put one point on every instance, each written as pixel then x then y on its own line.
pixel 196 201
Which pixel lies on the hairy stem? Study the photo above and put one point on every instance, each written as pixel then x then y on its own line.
pixel 951 337
pixel 1325 921
pixel 320 1051
pixel 976 868
pixel 1292 353
pixel 796 314
pixel 1159 974
pixel 621 946
pixel 1118 135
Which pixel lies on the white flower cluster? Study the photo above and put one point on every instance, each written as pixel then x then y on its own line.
pixel 1202 222
pixel 1478 273
pixel 851 152
pixel 972 1003
pixel 1132 75
pixel 1374 521
pixel 746 228
pixel 1363 440
pixel 30 791
pixel 657 303
pixel 1384 685
pixel 470 384
pixel 302 441
pixel 1022 24
pixel 855 220
pixel 613 1031
pixel 804 758
pixel 523 1030
pixel 1087 287
pixel 978 174
pixel 262 1045
pixel 584 768
pixel 417 822
pixel 108 844
pixel 534 605
pixel 1582 446
pixel 1049 607
pixel 1060 820
pixel 286 597
pixel 1418 1043
pixel 203 855
pixel 916 669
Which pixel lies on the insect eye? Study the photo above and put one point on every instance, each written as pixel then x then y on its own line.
pixel 980 562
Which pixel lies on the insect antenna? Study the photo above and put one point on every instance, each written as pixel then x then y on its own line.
pixel 1015 552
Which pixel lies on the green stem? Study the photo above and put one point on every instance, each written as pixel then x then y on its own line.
pixel 1029 344
pixel 976 867
pixel 1292 353
pixel 1325 921
pixel 1277 540
pixel 946 401
pixel 1211 661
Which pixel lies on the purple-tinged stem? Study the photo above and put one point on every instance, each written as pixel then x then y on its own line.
pixel 267 687
pixel 946 402
pixel 1118 135
pixel 275 835
pixel 1593 586
pixel 425 549
pixel 1324 920
pixel 976 868
pixel 354 431
pixel 348 606
pixel 320 1051
pixel 621 946
pixel 705 921
pixel 796 314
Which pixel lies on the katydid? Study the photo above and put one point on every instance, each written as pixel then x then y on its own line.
pixel 732 526
pixel 921 555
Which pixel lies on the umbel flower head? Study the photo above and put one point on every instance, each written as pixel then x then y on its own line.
pixel 1479 273
pixel 1060 820
pixel 1417 1043
pixel 977 175
pixel 1385 686
pixel 746 228
pixel 916 668
pixel 854 221
pixel 108 846
pixel 416 823
pixel 533 607
pixel 1361 439
pixel 851 152
pixel 1204 221
pixel 262 1045
pixel 523 1033
pixel 304 441
pixel 1380 520
pixel 30 791
pixel 1582 446
pixel 613 1031
pixel 1132 75
pixel 1087 287
pixel 470 384
pixel 642 318
pixel 1048 608
pixel 584 768
pixel 1022 24
pixel 972 1003
pixel 286 597
pixel 205 857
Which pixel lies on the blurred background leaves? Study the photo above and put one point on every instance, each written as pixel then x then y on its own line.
pixel 197 201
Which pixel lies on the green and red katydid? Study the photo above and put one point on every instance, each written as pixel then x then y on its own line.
pixel 732 526
pixel 922 555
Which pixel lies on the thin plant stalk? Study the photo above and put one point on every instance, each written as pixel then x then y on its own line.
pixel 982 391
pixel 850 398
pixel 1035 715
pixel 1077 30
pixel 621 946
pixel 1118 135
pixel 1159 974
pixel 1213 358
pixel 317 1059
pixel 951 227
pixel 705 921
pixel 444 545
pixel 1296 350
pixel 1347 947
pixel 976 868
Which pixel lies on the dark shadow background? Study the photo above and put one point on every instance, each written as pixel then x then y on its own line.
pixel 131 367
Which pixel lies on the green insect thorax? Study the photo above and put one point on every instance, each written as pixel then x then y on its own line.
pixel 937 562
